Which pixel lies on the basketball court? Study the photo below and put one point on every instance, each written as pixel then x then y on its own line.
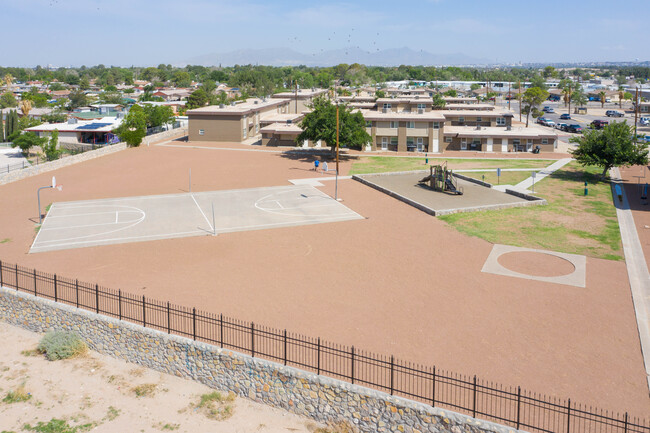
pixel 137 219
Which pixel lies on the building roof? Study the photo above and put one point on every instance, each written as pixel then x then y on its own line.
pixel 436 116
pixel 272 117
pixel 476 113
pixel 405 99
pixel 244 108
pixel 105 124
pixel 302 94
pixel 471 107
pixel 282 128
pixel 495 131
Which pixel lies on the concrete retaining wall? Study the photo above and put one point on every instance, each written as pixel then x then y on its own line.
pixel 317 397
pixel 17 175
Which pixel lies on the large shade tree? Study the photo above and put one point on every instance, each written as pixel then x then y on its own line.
pixel 320 124
pixel 134 126
pixel 612 146
pixel 531 100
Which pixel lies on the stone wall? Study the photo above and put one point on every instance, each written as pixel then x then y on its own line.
pixel 17 175
pixel 319 398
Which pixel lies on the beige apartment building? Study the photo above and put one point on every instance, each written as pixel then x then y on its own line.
pixel 499 139
pixel 404 131
pixel 235 123
pixel 300 99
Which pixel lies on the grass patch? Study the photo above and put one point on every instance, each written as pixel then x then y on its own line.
pixel 61 345
pixel 29 353
pixel 18 395
pixel 5 241
pixel 216 405
pixel 386 164
pixel 167 426
pixel 570 223
pixel 112 413
pixel 506 178
pixel 145 390
pixel 58 426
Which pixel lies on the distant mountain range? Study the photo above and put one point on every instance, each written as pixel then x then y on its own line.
pixel 289 57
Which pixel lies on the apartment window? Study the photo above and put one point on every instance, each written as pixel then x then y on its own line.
pixel 421 106
pixel 501 121
pixel 544 140
pixel 447 139
pixel 394 125
pixel 479 119
pixel 201 132
pixel 476 144
pixel 393 141
pixel 436 125
pixel 369 124
pixel 387 105
pixel 461 119
pixel 410 125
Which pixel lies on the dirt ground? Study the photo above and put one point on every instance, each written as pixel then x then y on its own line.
pixel 398 282
pixel 99 389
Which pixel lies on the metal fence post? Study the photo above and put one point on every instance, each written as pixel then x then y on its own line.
pixel 17 279
pixel 221 330
pixel 253 339
pixel 318 357
pixel 194 323
pixel 97 298
pixel 433 398
pixel 119 304
pixel 285 347
pixel 474 399
pixel 56 292
pixel 144 312
pixel 518 406
pixel 625 430
pixel 34 280
pixel 1 283
pixel 568 416
pixel 76 289
pixel 169 326
pixel 352 358
pixel 392 370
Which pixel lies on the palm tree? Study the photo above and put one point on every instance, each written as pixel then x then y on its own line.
pixel 621 95
pixel 8 79
pixel 566 92
pixel 601 96
pixel 26 107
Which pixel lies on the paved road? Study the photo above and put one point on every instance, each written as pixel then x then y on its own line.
pixel 10 159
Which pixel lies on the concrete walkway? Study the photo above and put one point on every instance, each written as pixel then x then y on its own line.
pixel 637 270
pixel 527 183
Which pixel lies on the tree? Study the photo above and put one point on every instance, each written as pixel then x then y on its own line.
pixel 538 81
pixel 26 141
pixel 133 127
pixel 320 124
pixel 158 116
pixel 438 102
pixel 380 94
pixel 2 129
pixel 197 99
pixel 530 100
pixel 549 71
pixel 612 146
pixel 452 93
pixel 78 99
pixel 601 96
pixel 25 107
pixel 51 147
pixel 8 100
pixel 11 125
pixel 474 86
pixel 56 86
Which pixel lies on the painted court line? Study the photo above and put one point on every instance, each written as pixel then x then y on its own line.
pixel 160 236
pixel 201 210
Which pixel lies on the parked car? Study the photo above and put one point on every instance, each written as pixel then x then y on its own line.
pixel 549 122
pixel 644 121
pixel 565 116
pixel 561 126
pixel 575 128
pixel 599 124
pixel 613 113
pixel 548 109
pixel 541 120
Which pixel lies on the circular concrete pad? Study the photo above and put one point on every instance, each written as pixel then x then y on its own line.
pixel 536 264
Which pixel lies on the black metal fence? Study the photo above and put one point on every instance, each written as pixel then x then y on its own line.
pixel 7 168
pixel 481 399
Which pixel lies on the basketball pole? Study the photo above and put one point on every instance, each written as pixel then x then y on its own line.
pixel 336 187
pixel 214 227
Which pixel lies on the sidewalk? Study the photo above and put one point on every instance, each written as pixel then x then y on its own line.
pixel 637 269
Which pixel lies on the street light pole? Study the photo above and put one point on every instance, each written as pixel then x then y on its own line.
pixel 336 187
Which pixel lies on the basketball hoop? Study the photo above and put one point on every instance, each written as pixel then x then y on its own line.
pixel 38 195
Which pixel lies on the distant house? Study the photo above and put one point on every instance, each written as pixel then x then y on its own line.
pixel 95 132
pixel 173 94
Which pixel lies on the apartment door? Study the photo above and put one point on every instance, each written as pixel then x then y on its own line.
pixel 489 145
pixel 463 144
pixel 434 146
pixel 384 143
pixel 529 146
pixel 420 144
pixel 504 145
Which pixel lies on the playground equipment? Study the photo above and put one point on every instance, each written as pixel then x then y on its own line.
pixel 442 179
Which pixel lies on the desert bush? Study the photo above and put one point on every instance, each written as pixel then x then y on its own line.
pixel 61 345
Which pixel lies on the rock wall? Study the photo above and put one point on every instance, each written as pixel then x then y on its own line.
pixel 317 397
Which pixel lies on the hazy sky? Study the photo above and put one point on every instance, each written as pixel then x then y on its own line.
pixel 150 32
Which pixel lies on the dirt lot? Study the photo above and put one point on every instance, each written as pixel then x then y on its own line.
pixel 101 391
pixel 399 281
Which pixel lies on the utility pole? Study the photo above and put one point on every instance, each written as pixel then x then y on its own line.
pixel 520 100
pixel 295 86
pixel 509 95
pixel 336 190
pixel 636 111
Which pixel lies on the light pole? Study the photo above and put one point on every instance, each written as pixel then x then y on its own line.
pixel 336 182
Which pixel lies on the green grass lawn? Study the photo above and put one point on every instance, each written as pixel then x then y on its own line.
pixel 385 164
pixel 570 223
pixel 506 178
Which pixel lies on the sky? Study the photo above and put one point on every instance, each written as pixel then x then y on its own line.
pixel 151 32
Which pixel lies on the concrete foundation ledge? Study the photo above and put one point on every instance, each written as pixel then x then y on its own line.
pixel 320 398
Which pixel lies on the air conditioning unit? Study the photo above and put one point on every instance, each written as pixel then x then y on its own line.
pixel 72 121
pixel 420 110
pixel 222 106
pixel 385 110
pixel 257 102
pixel 233 103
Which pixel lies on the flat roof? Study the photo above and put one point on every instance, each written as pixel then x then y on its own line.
pixel 426 116
pixel 281 117
pixel 302 93
pixel 409 99
pixel 495 131
pixel 105 124
pixel 470 107
pixel 282 128
pixel 244 108
pixel 477 113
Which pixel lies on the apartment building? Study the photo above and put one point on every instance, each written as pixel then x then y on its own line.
pixel 405 131
pixel 406 104
pixel 499 139
pixel 474 118
pixel 300 99
pixel 234 123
